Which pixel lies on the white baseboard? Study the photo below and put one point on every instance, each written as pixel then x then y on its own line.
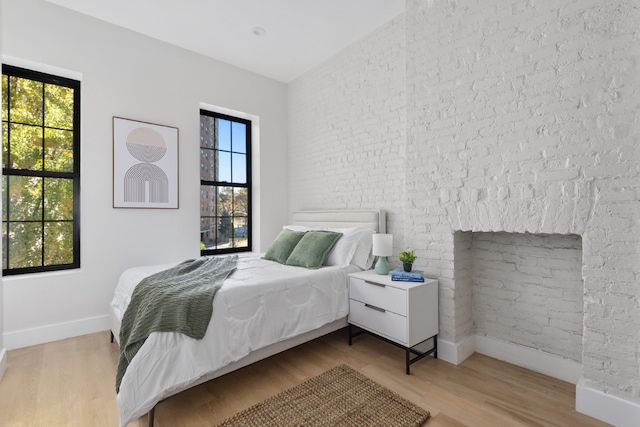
pixel 55 332
pixel 605 407
pixel 457 352
pixel 602 406
pixel 538 361
pixel 3 362
pixel 535 360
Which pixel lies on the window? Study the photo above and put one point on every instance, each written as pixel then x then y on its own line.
pixel 40 172
pixel 225 183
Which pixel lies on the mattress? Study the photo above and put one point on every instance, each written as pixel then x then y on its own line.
pixel 260 304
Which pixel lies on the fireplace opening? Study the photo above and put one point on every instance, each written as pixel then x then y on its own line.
pixel 526 289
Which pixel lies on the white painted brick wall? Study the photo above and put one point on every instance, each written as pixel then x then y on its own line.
pixel 491 116
pixel 347 130
pixel 527 290
pixel 523 117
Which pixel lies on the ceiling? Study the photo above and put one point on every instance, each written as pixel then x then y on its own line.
pixel 298 34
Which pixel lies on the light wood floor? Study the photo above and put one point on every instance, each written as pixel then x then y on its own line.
pixel 71 383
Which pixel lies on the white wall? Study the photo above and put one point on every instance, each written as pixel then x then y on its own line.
pixel 128 75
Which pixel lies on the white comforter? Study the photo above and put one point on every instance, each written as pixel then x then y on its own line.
pixel 261 303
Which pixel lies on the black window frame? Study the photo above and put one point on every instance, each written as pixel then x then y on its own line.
pixel 7 171
pixel 216 183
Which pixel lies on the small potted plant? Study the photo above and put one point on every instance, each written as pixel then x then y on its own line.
pixel 407 257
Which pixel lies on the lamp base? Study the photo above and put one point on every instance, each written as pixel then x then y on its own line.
pixel 382 266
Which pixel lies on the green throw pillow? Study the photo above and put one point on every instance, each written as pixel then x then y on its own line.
pixel 282 247
pixel 313 248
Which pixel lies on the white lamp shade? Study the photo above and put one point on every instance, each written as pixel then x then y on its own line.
pixel 383 244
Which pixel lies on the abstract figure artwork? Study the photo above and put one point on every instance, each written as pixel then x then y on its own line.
pixel 145 165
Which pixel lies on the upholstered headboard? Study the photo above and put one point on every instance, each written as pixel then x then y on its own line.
pixel 376 220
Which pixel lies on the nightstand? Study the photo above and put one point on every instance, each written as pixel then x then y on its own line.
pixel 404 314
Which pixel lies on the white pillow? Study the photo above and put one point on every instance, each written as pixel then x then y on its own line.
pixel 364 257
pixel 354 247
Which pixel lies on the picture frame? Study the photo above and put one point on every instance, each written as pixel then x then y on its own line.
pixel 145 165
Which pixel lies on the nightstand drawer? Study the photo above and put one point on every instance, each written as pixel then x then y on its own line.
pixel 374 319
pixel 386 297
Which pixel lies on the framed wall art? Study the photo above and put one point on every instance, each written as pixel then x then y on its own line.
pixel 145 165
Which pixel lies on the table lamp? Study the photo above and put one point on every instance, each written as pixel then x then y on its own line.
pixel 382 248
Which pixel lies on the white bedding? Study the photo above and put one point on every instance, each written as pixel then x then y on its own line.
pixel 261 303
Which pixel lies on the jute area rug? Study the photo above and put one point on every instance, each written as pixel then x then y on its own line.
pixel 340 397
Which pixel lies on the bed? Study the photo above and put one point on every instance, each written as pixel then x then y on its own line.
pixel 263 308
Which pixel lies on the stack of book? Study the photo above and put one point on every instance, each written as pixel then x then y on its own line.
pixel 399 275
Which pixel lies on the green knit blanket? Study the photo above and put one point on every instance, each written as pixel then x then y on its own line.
pixel 179 299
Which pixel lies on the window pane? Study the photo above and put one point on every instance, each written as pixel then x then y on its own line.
pixel 25 145
pixel 239 168
pixel 224 135
pixel 224 166
pixel 5 245
pixel 240 202
pixel 240 225
pixel 25 244
pixel 240 209
pixel 25 101
pixel 58 243
pixel 25 194
pixel 207 131
pixel 225 231
pixel 5 97
pixel 58 104
pixel 225 201
pixel 207 164
pixel 5 144
pixel 217 221
pixel 4 198
pixel 208 200
pixel 208 221
pixel 58 150
pixel 241 236
pixel 208 227
pixel 58 199
pixel 239 137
